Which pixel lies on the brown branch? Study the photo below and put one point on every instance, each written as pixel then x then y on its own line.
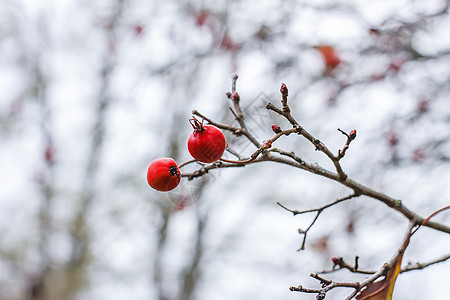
pixel 420 266
pixel 328 285
pixel 358 188
pixel 297 212
pixel 286 112
pixel 350 137
pixel 291 159
pixel 362 190
pixel 264 146
pixel 305 232
pixel 187 163
pixel 339 262
pixel 318 211
pixel 238 114
pixel 236 131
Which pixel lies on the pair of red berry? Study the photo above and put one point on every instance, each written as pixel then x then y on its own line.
pixel 206 144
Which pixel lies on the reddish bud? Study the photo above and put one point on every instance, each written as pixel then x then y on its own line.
pixel 352 134
pixel 283 89
pixel 276 128
pixel 336 260
pixel 266 144
pixel 235 96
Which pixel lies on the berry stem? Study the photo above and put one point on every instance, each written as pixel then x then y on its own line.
pixel 196 124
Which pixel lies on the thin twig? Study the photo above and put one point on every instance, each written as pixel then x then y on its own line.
pixel 350 137
pixel 187 163
pixel 342 264
pixel 420 266
pixel 305 232
pixel 297 212
pixel 264 146
pixel 328 285
pixel 286 112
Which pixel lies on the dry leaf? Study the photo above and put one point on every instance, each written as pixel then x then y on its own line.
pixel 382 290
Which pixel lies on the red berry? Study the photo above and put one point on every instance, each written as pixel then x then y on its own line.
pixel 163 174
pixel 207 143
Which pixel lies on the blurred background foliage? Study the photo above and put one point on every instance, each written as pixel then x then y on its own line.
pixel 92 91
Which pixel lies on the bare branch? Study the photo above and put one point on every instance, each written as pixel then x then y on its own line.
pixel 286 112
pixel 339 262
pixel 297 212
pixel 350 137
pixel 264 146
pixel 328 285
pixel 238 114
pixel 420 266
pixel 318 211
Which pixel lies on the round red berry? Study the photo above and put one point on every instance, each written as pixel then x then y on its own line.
pixel 207 143
pixel 163 174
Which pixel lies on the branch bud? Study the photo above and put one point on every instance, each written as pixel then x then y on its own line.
pixel 352 135
pixel 284 89
pixel 266 144
pixel 276 128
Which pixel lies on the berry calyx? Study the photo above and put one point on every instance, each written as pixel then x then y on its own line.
pixel 207 143
pixel 163 174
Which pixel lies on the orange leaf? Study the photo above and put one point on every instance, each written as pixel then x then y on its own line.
pixel 329 55
pixel 382 290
